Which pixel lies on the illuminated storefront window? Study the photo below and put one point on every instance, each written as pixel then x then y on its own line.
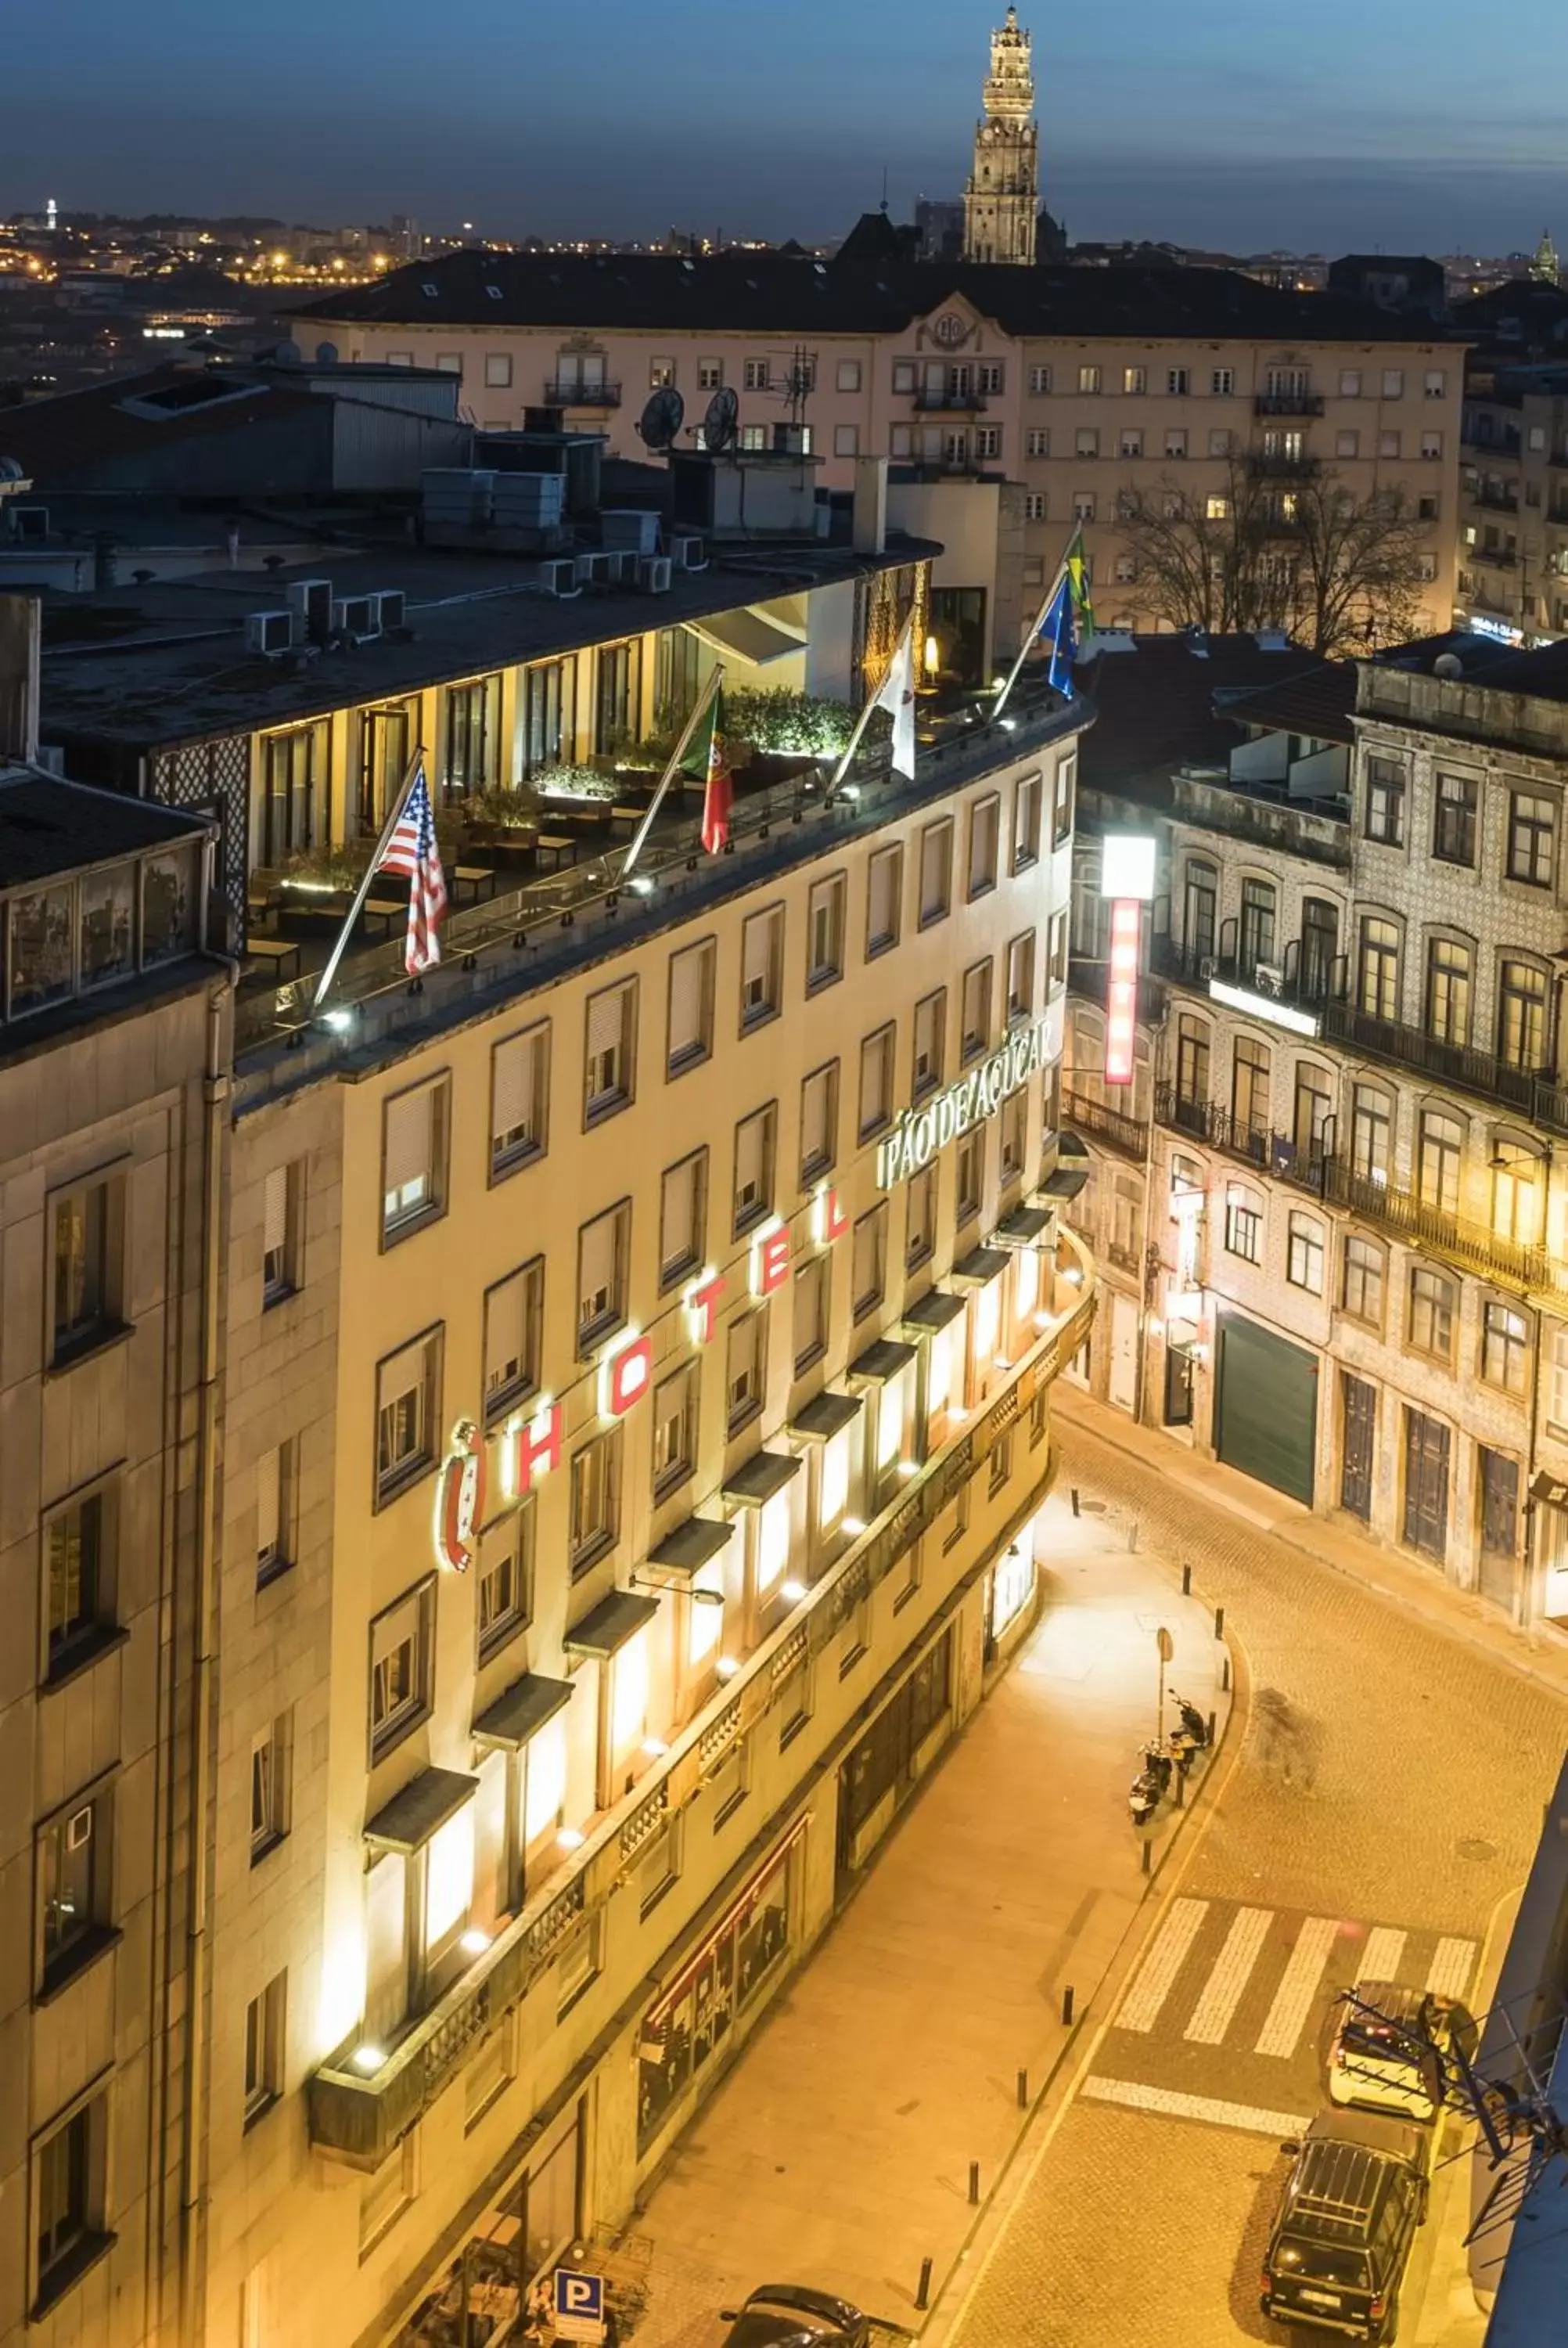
pixel 686 2029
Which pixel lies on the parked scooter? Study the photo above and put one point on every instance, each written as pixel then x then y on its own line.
pixel 1148 1787
pixel 1191 1736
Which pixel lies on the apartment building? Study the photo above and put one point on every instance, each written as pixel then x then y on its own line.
pixel 1514 502
pixel 1352 1235
pixel 114 1043
pixel 1083 384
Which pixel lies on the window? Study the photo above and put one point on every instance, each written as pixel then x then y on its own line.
pixel 1134 382
pixel 68 2184
pixel 1244 1226
pixel 754 1185
pixel 1363 1287
pixel 985 828
pixel 761 967
pixel 1314 1107
pixel 1350 383
pixel 1304 1257
pixel 1440 1145
pixel 1377 992
pixel 691 1037
pixel 935 871
pixel 1216 509
pixel 825 933
pixel 1522 1016
pixel 1432 444
pixel 920 1217
pixel 497 371
pixel 78 1542
pixel 847 376
pixel 754 375
pixel 1387 444
pixel 1021 976
pixel 1026 806
pixel 1129 445
pixel 1221 382
pixel 406 1385
pixel 1432 1300
pixel 1057 940
pixel 811 1299
pixel 884 894
pixel 819 1123
pixel 1257 904
pixel 1393 383
pixel 868 1280
pixel 402 1667
pixel 86 1255
pixel 503 1595
pixel 1453 826
pixel 1089 378
pixel 1013 1128
pixel 413 1159
pixel 595 1497
pixel 603 1259
pixel 275 1486
pixel 1516 1193
pixel 1386 801
pixel 1504 1347
pixel 661 374
pixel 264 2049
pixel 1447 990
pixel 514 1319
pixel 473 737
pixel 1200 910
pixel 1192 1064
pixel 610 1048
pixel 1557 1392
pixel 745 1368
pixel 1220 445
pixel 682 1217
pixel 1034 505
pixel 674 1429
pixel 969 1176
pixel 987 440
pixel 1371 1130
pixel 519 1099
pixel 1066 787
pixel 975 1029
pixel 903 375
pixel 75 1881
pixel 1039 380
pixel 1086 441
pixel 1176 440
pixel 281 1195
pixel 876 1082
pixel 1177 383
pixel 1036 441
pixel 271 1754
pixel 931 1020
pixel 710 374
pixel 1531 824
pixel 1434 384
pixel 1348 444
pixel 1250 1075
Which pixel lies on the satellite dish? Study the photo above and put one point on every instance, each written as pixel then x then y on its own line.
pixel 287 354
pixel 661 419
pixel 10 469
pixel 1448 664
pixel 327 354
pixel 719 423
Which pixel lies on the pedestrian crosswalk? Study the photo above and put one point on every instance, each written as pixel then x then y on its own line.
pixel 1251 1978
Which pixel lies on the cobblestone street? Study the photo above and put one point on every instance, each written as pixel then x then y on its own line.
pixel 1390 1786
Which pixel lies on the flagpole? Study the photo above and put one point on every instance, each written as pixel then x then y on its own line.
pixel 705 702
pixel 864 720
pixel 325 983
pixel 1032 631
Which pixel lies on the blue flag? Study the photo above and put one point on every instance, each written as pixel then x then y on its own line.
pixel 1059 628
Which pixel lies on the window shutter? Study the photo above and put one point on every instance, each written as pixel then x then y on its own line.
pixel 275 1212
pixel 511 1088
pixel 269 1484
pixel 606 1021
pixel 884 894
pixel 680 1220
pixel 933 865
pixel 598 1249
pixel 408 1137
pixel 749 1157
pixel 813 1121
pixel 686 974
pixel 759 949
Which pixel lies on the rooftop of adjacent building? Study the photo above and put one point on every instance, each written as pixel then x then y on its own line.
pixel 1164 703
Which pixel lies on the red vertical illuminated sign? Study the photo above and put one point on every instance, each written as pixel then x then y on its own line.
pixel 1122 992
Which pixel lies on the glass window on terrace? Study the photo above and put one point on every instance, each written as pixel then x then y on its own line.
pixel 75 932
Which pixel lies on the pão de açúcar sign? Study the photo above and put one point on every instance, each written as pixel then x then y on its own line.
pixel 921 1132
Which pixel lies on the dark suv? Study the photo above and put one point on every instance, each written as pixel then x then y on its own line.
pixel 1342 2239
pixel 789 2315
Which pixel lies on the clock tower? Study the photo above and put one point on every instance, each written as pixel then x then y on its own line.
pixel 1003 195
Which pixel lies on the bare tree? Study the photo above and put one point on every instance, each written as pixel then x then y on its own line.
pixel 1296 551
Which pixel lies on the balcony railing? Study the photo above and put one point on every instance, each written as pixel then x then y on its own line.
pixel 1528 1090
pixel 1494 500
pixel 1495 557
pixel 1304 974
pixel 1288 403
pixel 1128 1134
pixel 1273 464
pixel 571 391
pixel 929 401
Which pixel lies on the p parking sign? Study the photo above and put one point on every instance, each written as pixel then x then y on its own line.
pixel 579 2305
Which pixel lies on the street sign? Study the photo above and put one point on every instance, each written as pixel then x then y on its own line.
pixel 1166 1644
pixel 579 2305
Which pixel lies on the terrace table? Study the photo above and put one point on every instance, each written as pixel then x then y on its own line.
pixel 275 951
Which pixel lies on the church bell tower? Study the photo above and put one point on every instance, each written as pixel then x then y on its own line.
pixel 1002 197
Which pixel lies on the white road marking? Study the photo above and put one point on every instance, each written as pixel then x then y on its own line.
pixel 1215 2010
pixel 1451 1964
pixel 1140 2006
pixel 1298 1986
pixel 1380 1960
pixel 1250 2119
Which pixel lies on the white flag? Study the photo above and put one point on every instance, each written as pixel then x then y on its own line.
pixel 897 694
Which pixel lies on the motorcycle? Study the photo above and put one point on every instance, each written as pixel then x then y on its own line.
pixel 1191 1737
pixel 1148 1787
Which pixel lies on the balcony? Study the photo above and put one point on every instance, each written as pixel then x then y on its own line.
pixel 1530 1091
pixel 1494 500
pixel 1272 465
pixel 571 391
pixel 1304 977
pixel 929 401
pixel 1494 558
pixel 1288 403
pixel 1129 1136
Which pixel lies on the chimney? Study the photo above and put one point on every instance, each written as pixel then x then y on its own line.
pixel 869 527
pixel 20 634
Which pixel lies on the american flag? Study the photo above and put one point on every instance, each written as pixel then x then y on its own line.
pixel 412 851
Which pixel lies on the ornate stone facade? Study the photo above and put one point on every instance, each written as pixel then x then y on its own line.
pixel 1002 198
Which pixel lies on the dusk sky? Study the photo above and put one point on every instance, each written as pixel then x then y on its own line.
pixel 1355 122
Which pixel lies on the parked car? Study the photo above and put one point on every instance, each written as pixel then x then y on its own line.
pixel 1355 2193
pixel 790 2316
pixel 1382 2061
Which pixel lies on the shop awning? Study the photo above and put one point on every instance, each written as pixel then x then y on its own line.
pixel 407 1822
pixel 747 636
pixel 1024 1226
pixel 614 1621
pixel 826 1414
pixel 937 1309
pixel 756 1479
pixel 520 1711
pixel 692 1545
pixel 882 1360
pixel 1067 1181
pixel 980 1264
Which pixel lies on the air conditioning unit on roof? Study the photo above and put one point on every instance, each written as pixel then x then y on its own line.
pixel 623 564
pixel 653 574
pixel 593 569
pixel 391 604
pixel 559 578
pixel 689 550
pixel 269 632
pixel 355 615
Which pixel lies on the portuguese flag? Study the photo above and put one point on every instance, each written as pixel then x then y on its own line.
pixel 707 762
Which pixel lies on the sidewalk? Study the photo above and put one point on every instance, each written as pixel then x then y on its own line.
pixel 837 2151
pixel 1420 1589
